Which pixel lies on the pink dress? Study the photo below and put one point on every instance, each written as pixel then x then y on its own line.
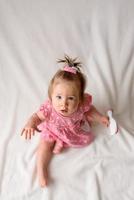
pixel 70 130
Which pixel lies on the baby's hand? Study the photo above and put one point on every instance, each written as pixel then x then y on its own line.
pixel 104 120
pixel 28 132
pixel 31 126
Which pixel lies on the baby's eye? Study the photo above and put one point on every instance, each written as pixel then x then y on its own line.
pixel 58 97
pixel 71 98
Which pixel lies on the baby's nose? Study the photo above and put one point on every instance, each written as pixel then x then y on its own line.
pixel 64 104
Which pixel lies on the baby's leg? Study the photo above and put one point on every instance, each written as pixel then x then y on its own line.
pixel 58 147
pixel 44 155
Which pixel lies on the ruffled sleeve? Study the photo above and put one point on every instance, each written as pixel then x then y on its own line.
pixel 87 102
pixel 46 108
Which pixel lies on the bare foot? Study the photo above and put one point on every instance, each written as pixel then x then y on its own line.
pixel 58 147
pixel 43 177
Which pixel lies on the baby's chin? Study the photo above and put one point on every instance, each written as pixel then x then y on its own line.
pixel 66 113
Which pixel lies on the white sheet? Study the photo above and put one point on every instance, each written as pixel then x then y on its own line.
pixel 33 34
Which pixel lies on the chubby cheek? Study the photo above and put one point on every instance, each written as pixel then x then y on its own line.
pixel 54 103
pixel 74 106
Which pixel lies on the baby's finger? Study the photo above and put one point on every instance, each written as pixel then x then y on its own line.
pixel 22 131
pixel 107 123
pixel 32 132
pixel 29 134
pixel 26 133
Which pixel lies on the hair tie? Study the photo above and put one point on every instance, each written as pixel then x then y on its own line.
pixel 72 70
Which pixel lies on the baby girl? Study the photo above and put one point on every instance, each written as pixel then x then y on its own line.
pixel 61 118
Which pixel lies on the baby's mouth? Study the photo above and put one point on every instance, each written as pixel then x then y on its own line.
pixel 64 111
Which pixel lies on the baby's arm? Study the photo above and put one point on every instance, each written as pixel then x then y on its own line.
pixel 93 115
pixel 31 125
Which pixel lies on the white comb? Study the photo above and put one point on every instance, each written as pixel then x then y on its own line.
pixel 112 123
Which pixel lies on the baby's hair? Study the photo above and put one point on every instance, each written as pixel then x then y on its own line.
pixel 70 62
pixel 73 73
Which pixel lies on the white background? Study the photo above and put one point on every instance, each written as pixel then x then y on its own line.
pixel 33 35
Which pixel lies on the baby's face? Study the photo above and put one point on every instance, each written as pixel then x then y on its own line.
pixel 65 97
